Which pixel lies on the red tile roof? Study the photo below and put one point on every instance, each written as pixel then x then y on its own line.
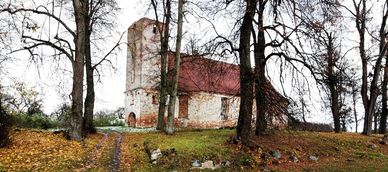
pixel 206 75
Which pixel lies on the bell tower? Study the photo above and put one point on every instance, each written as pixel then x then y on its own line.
pixel 143 65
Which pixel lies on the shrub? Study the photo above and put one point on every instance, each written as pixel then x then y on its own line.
pixel 37 120
pixel 5 127
pixel 309 126
pixel 107 120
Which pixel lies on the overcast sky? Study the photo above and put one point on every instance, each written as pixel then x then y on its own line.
pixel 109 92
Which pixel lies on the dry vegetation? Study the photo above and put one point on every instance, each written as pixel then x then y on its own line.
pixel 33 150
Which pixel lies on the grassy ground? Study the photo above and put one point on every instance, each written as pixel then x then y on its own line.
pixel 45 151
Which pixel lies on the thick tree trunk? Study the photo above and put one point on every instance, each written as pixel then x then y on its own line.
pixel 174 90
pixel 335 110
pixel 163 73
pixel 260 63
pixel 246 75
pixel 76 120
pixel 90 95
pixel 383 52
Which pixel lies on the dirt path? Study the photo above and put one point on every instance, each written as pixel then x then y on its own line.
pixel 90 163
pixel 117 153
pixel 106 153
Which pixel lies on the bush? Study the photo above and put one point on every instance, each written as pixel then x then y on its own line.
pixel 107 120
pixel 37 120
pixel 310 126
pixel 5 127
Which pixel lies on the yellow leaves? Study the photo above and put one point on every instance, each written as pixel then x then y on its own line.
pixel 44 151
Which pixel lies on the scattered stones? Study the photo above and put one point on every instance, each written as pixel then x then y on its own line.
pixel 294 159
pixel 275 153
pixel 313 158
pixel 155 155
pixel 372 146
pixel 196 163
pixel 225 163
pixel 208 165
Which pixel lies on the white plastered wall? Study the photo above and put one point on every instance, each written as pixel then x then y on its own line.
pixel 207 107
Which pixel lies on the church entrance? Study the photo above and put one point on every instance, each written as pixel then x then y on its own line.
pixel 131 121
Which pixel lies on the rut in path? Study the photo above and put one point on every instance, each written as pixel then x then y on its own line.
pixel 117 153
pixel 92 157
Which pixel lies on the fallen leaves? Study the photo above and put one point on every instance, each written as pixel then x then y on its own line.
pixel 44 151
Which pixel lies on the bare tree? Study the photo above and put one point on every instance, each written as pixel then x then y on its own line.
pixel 76 51
pixel 323 30
pixel 354 91
pixel 100 21
pixel 384 99
pixel 246 74
pixel 360 15
pixel 175 73
pixel 383 52
pixel 273 38
pixel 164 28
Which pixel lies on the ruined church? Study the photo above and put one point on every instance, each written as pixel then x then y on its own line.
pixel 208 90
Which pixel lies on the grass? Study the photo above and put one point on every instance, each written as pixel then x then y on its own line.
pixel 44 151
pixel 189 145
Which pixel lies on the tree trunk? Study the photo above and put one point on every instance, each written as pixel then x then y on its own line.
pixel 361 27
pixel 384 111
pixel 375 122
pixel 76 120
pixel 374 93
pixel 343 123
pixel 90 94
pixel 246 75
pixel 383 52
pixel 174 90
pixel 335 110
pixel 332 83
pixel 260 63
pixel 163 73
pixel 374 90
pixel 368 102
pixel 354 104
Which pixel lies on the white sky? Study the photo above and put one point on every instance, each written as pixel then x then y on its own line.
pixel 110 92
